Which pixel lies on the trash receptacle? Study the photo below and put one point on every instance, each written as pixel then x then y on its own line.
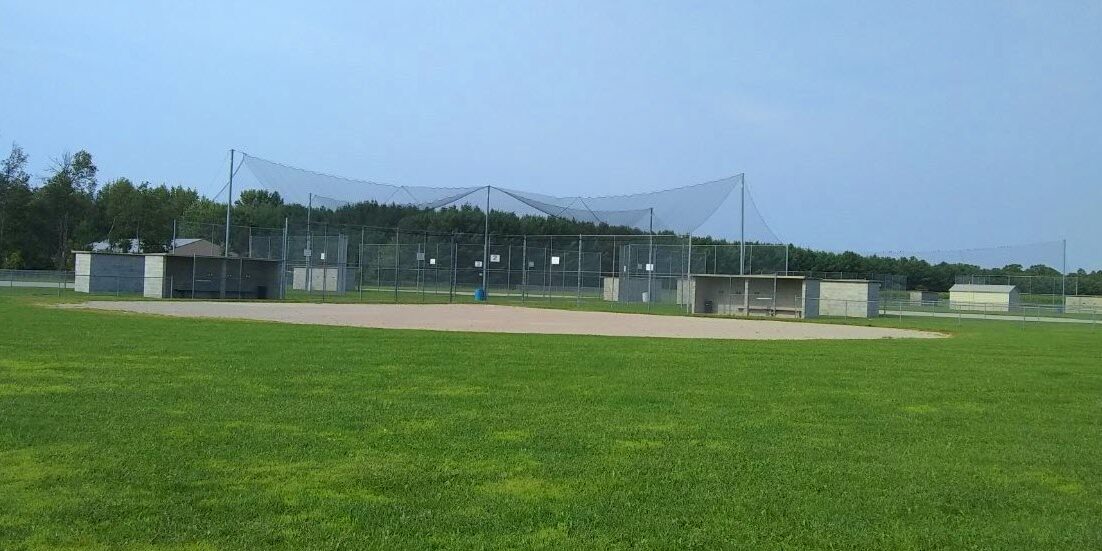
pixel 261 291
pixel 480 294
pixel 709 307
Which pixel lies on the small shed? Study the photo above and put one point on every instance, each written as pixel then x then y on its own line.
pixel 182 246
pixel 849 298
pixel 984 298
pixel 763 295
pixel 924 297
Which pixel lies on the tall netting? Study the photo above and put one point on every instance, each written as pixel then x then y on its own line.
pixel 1045 253
pixel 714 207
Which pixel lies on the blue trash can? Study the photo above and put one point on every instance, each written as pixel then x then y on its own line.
pixel 480 294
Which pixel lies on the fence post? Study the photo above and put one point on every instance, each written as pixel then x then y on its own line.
pixel 397 253
pixel 360 261
pixel 550 277
pixel 422 271
pixel 578 293
pixel 524 269
pixel 455 269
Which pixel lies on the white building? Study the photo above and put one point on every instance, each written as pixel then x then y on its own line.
pixel 849 298
pixel 984 298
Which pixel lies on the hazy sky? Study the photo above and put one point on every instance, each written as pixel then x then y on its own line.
pixel 866 125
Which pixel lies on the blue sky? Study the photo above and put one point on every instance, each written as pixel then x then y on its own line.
pixel 865 125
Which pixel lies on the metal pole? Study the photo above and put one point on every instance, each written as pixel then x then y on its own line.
pixel 685 287
pixel 397 253
pixel 360 260
pixel 193 268
pixel 1064 272
pixel 486 248
pixel 283 263
pixel 550 252
pixel 172 246
pixel 229 204
pixel 742 228
pixel 650 260
pixel 786 259
pixel 455 268
pixel 421 266
pixel 524 269
pixel 309 243
pixel 578 294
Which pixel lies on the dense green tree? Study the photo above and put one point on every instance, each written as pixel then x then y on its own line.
pixel 15 201
pixel 65 204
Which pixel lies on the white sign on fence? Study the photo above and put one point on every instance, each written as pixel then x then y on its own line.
pixel 420 257
pixel 306 252
pixel 322 256
pixel 495 258
pixel 554 261
pixel 650 267
pixel 477 263
pixel 432 262
pixel 531 264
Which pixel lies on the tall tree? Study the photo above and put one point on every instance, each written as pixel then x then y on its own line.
pixel 65 201
pixel 15 199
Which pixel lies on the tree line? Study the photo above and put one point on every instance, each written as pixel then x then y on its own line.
pixel 41 222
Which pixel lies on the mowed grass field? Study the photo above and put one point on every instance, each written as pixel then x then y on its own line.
pixel 138 432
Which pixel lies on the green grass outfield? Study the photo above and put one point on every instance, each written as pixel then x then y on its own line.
pixel 135 432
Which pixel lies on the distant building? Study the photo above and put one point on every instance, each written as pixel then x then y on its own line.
pixel 181 247
pixel 194 247
pixel 984 298
pixel 924 297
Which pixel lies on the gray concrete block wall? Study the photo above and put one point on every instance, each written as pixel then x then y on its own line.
pixel 108 273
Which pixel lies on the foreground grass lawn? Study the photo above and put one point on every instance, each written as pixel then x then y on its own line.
pixel 123 431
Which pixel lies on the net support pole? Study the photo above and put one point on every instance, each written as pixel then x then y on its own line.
pixel 283 262
pixel 742 228
pixel 309 242
pixel 172 246
pixel 524 269
pixel 397 253
pixel 578 295
pixel 360 261
pixel 786 259
pixel 687 291
pixel 486 246
pixel 650 259
pixel 229 204
pixel 1064 270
